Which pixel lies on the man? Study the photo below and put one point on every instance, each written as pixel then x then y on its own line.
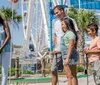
pixel 58 33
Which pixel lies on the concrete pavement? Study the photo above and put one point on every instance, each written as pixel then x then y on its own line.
pixel 63 81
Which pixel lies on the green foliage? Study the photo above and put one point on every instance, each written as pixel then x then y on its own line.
pixel 85 17
pixel 11 72
pixel 8 14
pixel 80 69
pixel 27 72
pixel 82 17
pixel 72 12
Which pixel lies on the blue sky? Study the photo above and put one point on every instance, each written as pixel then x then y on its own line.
pixel 17 34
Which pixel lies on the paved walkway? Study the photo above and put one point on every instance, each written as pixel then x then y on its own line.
pixel 63 81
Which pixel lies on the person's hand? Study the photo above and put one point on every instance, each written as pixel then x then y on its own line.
pixel 86 51
pixel 66 62
pixel 55 52
pixel 0 50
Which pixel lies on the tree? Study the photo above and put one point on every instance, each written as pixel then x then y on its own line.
pixel 9 15
pixel 83 18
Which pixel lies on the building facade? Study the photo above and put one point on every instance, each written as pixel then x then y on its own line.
pixel 87 4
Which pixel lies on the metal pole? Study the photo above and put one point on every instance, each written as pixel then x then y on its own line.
pixel 45 22
pixel 61 2
pixel 79 4
pixel 51 47
pixel 23 24
pixel 87 69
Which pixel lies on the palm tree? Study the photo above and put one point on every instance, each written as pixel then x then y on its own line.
pixel 83 18
pixel 7 13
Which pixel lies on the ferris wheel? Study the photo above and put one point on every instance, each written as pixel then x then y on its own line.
pixel 36 24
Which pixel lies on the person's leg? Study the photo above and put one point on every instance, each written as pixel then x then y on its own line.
pixel 74 75
pixel 5 66
pixel 70 72
pixel 57 60
pixel 54 71
pixel 54 77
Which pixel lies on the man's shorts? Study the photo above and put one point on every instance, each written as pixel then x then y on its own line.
pixel 57 63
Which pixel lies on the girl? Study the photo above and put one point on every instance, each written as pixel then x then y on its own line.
pixel 69 53
pixel 4 49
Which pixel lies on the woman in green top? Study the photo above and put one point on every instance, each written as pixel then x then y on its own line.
pixel 69 53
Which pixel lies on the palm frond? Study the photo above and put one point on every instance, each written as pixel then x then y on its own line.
pixel 82 17
pixel 9 15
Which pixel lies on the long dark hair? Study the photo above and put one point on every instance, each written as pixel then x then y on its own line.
pixel 1 20
pixel 70 26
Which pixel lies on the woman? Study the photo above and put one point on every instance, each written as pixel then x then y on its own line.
pixel 5 37
pixel 69 53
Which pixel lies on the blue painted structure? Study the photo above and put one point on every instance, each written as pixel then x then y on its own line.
pixel 87 4
pixel 51 15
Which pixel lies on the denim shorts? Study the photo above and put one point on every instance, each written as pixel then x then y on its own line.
pixel 58 61
pixel 73 58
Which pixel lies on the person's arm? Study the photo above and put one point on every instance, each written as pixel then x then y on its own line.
pixel 8 35
pixel 54 40
pixel 92 51
pixel 96 51
pixel 54 43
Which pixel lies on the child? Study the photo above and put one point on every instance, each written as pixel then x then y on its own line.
pixel 94 49
pixel 69 53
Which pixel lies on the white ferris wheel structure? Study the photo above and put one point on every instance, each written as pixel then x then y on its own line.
pixel 36 23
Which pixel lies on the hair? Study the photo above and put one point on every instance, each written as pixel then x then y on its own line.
pixel 1 20
pixel 59 7
pixel 68 24
pixel 93 26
